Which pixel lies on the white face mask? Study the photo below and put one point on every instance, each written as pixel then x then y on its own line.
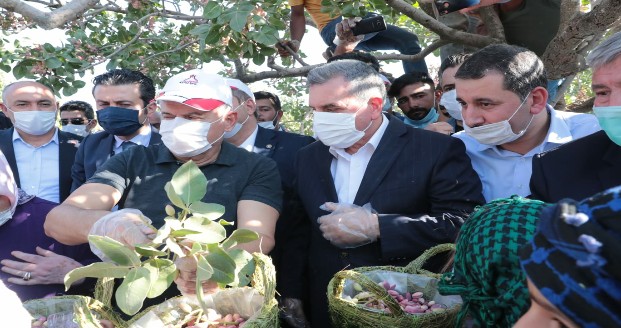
pixel 237 127
pixel 267 125
pixel 186 138
pixel 34 122
pixel 337 129
pixel 453 107
pixel 497 133
pixel 76 129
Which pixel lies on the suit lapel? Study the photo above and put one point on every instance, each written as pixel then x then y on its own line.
pixel 324 162
pixel 265 142
pixel 66 156
pixel 381 161
pixel 156 138
pixel 611 173
pixel 6 143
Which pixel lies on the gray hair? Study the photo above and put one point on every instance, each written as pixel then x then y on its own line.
pixel 8 86
pixel 606 52
pixel 365 82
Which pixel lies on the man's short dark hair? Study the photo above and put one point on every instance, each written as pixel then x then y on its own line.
pixel 522 69
pixel 268 95
pixel 125 76
pixel 362 56
pixel 82 106
pixel 452 61
pixel 409 79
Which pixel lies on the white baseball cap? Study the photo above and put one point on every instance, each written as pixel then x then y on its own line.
pixel 198 89
pixel 236 84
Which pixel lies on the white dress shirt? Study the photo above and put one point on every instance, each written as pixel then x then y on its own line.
pixel 38 167
pixel 348 169
pixel 248 144
pixel 143 139
pixel 504 173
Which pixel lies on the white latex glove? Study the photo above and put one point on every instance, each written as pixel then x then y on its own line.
pixel 349 225
pixel 128 226
pixel 344 34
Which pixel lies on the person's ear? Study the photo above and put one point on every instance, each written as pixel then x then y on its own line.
pixel 92 124
pixel 279 114
pixel 151 107
pixel 540 100
pixel 229 120
pixel 250 106
pixel 376 104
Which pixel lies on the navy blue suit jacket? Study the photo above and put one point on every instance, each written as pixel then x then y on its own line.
pixel 292 227
pixel 67 147
pixel 420 182
pixel 94 151
pixel 577 170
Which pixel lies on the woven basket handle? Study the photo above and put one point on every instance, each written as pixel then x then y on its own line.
pixel 264 276
pixel 415 267
pixel 104 289
pixel 372 287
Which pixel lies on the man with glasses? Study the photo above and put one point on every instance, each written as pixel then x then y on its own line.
pixel 124 100
pixel 39 154
pixel 77 117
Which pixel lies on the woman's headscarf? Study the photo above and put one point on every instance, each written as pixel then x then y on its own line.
pixel 8 188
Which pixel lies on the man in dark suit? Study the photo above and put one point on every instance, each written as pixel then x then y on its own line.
pixel 39 154
pixel 377 192
pixel 592 164
pixel 292 225
pixel 124 99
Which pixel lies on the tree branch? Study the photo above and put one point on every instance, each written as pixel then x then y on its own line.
pixel 490 18
pixel 240 70
pixel 49 20
pixel 443 31
pixel 419 56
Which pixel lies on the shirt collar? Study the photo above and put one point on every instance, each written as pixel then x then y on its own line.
pixel 226 156
pixel 54 139
pixel 248 144
pixel 141 138
pixel 373 142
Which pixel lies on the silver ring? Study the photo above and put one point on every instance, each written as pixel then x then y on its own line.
pixel 27 276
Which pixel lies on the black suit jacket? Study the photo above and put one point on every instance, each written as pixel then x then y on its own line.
pixel 67 147
pixel 412 173
pixel 292 227
pixel 577 170
pixel 94 151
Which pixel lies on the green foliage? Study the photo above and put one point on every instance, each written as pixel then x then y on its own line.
pixel 148 270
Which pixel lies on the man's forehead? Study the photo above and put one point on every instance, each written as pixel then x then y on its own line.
pixel 416 88
pixel 28 88
pixel 71 114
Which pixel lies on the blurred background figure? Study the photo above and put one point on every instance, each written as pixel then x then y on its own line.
pixel 77 117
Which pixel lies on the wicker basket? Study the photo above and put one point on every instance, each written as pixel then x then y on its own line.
pixel 345 313
pixel 263 285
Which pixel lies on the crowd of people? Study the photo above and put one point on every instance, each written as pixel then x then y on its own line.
pixel 528 194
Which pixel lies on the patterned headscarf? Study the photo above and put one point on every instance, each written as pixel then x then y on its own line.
pixel 574 259
pixel 487 272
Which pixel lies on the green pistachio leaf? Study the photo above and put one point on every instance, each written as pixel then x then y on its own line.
pixel 116 251
pixel 225 222
pixel 174 247
pixel 204 271
pixel 223 265
pixel 244 267
pixel 147 250
pixel 189 183
pixel 95 270
pixel 162 234
pixel 132 292
pixel 240 236
pixel 172 195
pixel 210 232
pixel 207 210
pixel 183 232
pixel 163 272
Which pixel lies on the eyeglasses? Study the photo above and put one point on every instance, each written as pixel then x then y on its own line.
pixel 74 121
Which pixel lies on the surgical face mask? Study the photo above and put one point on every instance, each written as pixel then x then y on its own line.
pixel 76 129
pixel 497 133
pixel 34 122
pixel 453 107
pixel 5 216
pixel 610 120
pixel 432 117
pixel 337 129
pixel 387 105
pixel 267 125
pixel 186 138
pixel 238 126
pixel 120 121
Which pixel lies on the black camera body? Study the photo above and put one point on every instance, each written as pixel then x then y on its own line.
pixel 369 25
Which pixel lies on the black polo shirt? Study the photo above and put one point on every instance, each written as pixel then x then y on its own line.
pixel 140 174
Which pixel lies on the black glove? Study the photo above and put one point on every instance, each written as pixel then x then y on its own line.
pixel 292 312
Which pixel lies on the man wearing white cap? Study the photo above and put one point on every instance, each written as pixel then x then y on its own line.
pixel 196 113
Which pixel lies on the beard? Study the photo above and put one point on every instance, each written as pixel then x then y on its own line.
pixel 417 113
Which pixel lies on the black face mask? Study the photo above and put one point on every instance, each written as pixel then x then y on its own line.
pixel 119 121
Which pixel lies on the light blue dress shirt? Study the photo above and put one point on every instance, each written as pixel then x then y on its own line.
pixel 504 173
pixel 143 139
pixel 38 167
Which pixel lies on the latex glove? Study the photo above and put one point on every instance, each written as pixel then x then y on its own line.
pixel 292 312
pixel 128 226
pixel 344 35
pixel 45 268
pixel 186 279
pixel 440 127
pixel 349 225
pixel 281 46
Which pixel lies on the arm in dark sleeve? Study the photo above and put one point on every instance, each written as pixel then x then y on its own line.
pixel 264 184
pixel 78 174
pixel 538 186
pixel 454 191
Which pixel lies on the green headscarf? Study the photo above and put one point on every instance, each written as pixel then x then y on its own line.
pixel 486 271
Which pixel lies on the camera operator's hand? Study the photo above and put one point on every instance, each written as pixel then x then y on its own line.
pixel 282 45
pixel 345 36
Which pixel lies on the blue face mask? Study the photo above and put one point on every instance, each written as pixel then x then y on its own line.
pixel 610 120
pixel 431 117
pixel 119 121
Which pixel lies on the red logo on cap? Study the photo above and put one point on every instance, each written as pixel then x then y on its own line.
pixel 190 80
